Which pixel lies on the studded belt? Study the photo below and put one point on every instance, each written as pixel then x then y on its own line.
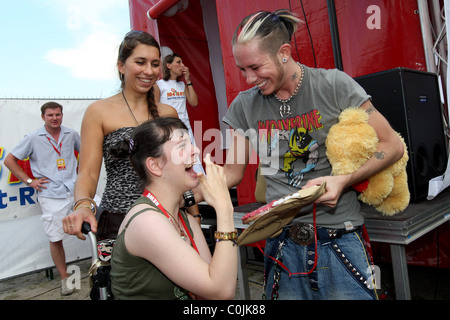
pixel 303 233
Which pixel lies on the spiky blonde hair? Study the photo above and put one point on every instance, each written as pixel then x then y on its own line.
pixel 273 29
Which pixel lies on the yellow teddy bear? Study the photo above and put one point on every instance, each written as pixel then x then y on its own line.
pixel 350 143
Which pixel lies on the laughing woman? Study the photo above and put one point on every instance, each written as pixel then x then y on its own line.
pixel 105 124
pixel 160 252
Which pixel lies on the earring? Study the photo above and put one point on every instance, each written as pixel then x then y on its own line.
pixel 284 60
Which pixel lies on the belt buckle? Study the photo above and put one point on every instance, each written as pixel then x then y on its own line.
pixel 302 233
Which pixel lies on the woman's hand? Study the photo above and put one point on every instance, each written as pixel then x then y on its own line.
pixel 186 73
pixel 73 222
pixel 214 186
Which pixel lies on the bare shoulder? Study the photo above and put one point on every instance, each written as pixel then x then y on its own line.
pixel 148 213
pixel 110 113
pixel 103 105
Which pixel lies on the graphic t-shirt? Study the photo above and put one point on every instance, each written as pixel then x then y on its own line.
pixel 291 149
pixel 172 93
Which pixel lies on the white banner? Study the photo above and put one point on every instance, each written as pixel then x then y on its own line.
pixel 25 246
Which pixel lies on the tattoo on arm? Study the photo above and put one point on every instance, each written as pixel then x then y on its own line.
pixel 371 109
pixel 379 155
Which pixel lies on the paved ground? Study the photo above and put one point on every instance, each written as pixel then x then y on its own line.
pixel 426 284
pixel 37 286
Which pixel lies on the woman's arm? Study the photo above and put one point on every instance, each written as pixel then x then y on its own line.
pixel 189 91
pixel 90 162
pixel 164 110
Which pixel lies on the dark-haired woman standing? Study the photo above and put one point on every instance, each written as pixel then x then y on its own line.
pixel 108 122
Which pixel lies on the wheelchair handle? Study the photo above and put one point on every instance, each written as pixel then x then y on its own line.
pixel 85 227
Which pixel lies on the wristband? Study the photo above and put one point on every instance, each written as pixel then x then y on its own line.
pixel 219 235
pixel 226 236
pixel 189 199
pixel 189 84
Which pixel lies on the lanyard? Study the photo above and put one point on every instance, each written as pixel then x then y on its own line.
pixel 152 198
pixel 60 145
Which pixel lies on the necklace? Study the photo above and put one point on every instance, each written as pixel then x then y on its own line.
pixel 285 109
pixel 131 111
pixel 182 234
pixel 155 201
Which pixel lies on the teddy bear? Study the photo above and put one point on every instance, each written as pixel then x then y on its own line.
pixel 350 143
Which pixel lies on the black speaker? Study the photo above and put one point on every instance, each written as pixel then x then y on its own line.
pixel 410 101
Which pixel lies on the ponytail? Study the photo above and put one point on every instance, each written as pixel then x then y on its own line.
pixel 273 29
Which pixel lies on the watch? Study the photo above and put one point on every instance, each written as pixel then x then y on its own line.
pixel 29 181
pixel 189 199
pixel 189 83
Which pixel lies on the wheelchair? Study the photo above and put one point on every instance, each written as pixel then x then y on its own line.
pixel 99 272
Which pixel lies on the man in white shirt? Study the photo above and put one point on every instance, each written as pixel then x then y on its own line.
pixel 51 150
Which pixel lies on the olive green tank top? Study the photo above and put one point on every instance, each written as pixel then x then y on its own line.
pixel 136 278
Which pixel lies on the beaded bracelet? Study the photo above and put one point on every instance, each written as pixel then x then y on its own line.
pixel 226 236
pixel 92 206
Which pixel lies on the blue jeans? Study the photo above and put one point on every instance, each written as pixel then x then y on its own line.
pixel 343 270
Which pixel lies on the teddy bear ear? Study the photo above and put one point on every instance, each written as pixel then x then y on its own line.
pixel 353 116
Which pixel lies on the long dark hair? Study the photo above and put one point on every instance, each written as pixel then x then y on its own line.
pixel 129 43
pixel 168 59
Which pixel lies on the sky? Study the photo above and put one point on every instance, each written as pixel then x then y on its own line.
pixel 61 48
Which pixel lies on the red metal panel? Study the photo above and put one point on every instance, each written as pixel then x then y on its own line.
pixel 184 34
pixel 367 47
pixel 160 7
pixel 138 16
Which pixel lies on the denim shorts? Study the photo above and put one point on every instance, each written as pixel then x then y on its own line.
pixel 343 270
